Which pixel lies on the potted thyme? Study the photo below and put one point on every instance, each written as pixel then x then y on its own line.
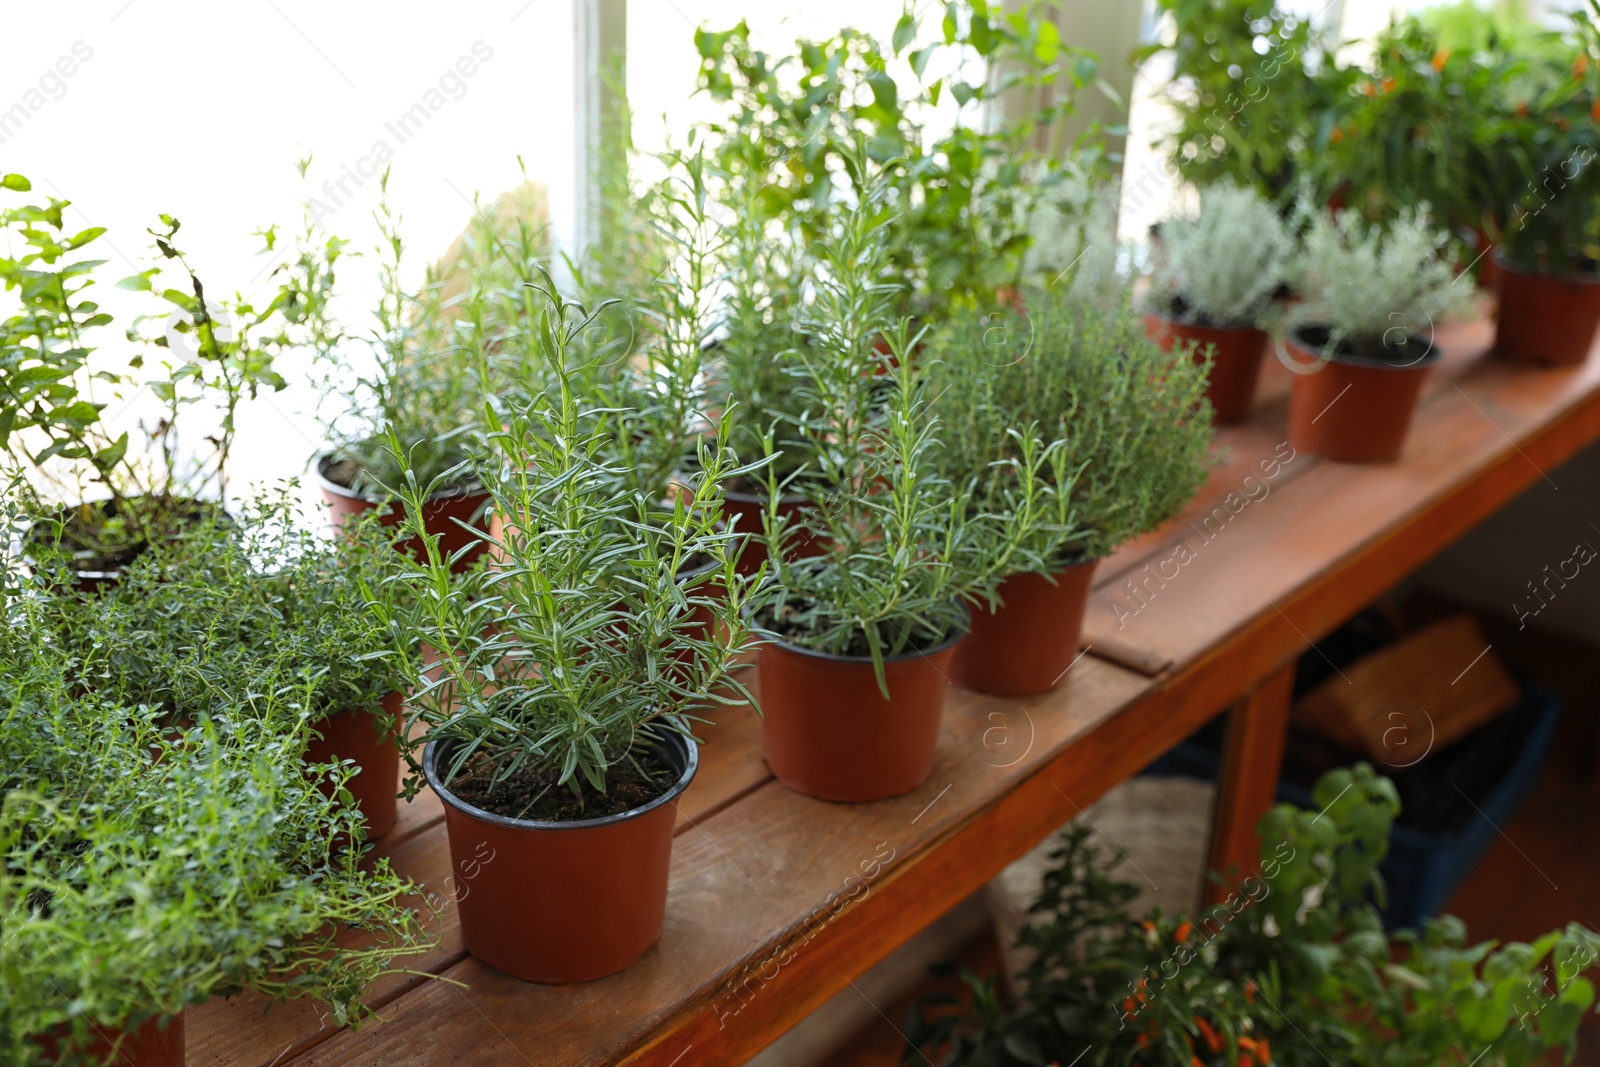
pixel 227 616
pixel 1212 284
pixel 102 496
pixel 147 865
pixel 569 676
pixel 1071 411
pixel 857 637
pixel 1362 336
pixel 1549 256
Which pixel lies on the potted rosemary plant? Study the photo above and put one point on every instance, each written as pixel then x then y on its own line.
pixel 146 866
pixel 569 675
pixel 1212 284
pixel 1072 424
pixel 416 370
pixel 1362 336
pixel 857 638
pixel 102 496
pixel 1549 260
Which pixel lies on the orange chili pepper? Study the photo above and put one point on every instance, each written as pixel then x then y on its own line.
pixel 1183 932
pixel 1594 112
pixel 1264 1051
pixel 1440 58
pixel 1249 992
pixel 1213 1039
pixel 1580 64
pixel 1194 1061
pixel 1388 83
pixel 1337 135
pixel 1522 110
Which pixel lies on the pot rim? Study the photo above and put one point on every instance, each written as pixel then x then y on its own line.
pixel 1510 266
pixel 1191 324
pixel 760 500
pixel 768 637
pixel 324 460
pixel 430 771
pixel 1428 359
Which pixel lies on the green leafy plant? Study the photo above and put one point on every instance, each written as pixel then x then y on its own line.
pixel 416 367
pixel 229 617
pixel 55 389
pixel 1411 132
pixel 1223 265
pixel 1069 410
pixel 606 617
pixel 1373 287
pixel 149 862
pixel 1248 106
pixel 961 199
pixel 1544 153
pixel 902 543
pixel 1293 969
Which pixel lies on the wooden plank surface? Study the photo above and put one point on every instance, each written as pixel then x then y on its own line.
pixel 740 961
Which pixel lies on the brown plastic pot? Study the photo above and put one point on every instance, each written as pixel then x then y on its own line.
pixel 439 514
pixel 827 731
pixel 559 902
pixel 367 739
pixel 1546 318
pixel 157 1043
pixel 1354 410
pixel 1026 645
pixel 1235 366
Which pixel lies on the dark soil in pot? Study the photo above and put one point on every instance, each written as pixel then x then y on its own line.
pixel 1355 408
pixel 1546 318
pixel 157 1043
pixel 828 732
pixel 1026 645
pixel 563 901
pixel 441 514
pixel 83 538
pixel 366 738
pixel 1236 359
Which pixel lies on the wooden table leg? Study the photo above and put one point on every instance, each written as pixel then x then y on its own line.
pixel 1252 757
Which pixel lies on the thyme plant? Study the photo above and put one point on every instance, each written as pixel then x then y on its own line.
pixel 230 619
pixel 1222 266
pixel 148 864
pixel 1068 412
pixel 607 618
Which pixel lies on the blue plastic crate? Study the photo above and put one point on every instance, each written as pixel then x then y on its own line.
pixel 1422 870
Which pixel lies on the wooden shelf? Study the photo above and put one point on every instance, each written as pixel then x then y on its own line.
pixel 779 901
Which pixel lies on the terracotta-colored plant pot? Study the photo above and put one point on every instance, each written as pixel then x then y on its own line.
pixel 1236 363
pixel 1546 318
pixel 827 731
pixel 157 1043
pixel 744 512
pixel 1026 646
pixel 1354 410
pixel 559 902
pixel 439 515
pixel 366 738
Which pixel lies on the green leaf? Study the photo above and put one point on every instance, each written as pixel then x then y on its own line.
pixel 904 31
pixel 15 182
